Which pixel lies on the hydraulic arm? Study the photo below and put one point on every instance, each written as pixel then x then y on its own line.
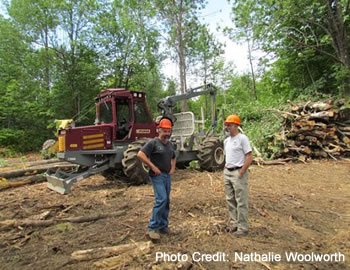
pixel 166 105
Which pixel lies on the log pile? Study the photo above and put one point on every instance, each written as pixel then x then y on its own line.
pixel 30 173
pixel 315 130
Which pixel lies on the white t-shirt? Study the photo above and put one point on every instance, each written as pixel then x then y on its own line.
pixel 236 148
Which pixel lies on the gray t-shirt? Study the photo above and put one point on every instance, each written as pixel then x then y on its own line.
pixel 236 148
pixel 160 154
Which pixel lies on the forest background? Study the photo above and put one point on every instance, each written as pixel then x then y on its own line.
pixel 56 56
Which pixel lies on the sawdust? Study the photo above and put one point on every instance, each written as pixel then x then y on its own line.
pixel 293 208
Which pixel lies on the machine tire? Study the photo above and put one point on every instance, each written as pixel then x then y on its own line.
pixel 133 168
pixel 211 154
pixel 112 174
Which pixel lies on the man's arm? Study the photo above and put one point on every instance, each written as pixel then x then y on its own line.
pixel 143 157
pixel 248 160
pixel 173 166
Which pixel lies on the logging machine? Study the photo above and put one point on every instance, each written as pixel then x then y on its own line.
pixel 123 125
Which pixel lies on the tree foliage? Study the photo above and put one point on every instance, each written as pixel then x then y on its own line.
pixel 55 56
pixel 309 40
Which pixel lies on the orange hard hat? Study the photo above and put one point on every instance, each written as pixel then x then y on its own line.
pixel 165 123
pixel 233 119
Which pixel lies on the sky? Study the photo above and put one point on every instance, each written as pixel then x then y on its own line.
pixel 217 13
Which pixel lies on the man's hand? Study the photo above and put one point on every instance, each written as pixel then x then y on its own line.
pixel 241 173
pixel 156 170
pixel 173 166
pixel 142 156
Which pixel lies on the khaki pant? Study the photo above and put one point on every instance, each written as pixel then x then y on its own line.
pixel 236 190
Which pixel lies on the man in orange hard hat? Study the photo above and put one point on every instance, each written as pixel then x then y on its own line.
pixel 159 155
pixel 238 157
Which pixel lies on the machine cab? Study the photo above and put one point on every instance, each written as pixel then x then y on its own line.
pixel 127 113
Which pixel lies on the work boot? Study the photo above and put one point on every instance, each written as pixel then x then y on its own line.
pixel 231 228
pixel 164 231
pixel 154 235
pixel 239 233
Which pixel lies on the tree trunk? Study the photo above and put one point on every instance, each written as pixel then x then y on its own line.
pixel 337 29
pixel 182 60
pixel 252 70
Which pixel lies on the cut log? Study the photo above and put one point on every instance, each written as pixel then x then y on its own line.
pixel 311 139
pixel 103 252
pixel 11 223
pixel 323 116
pixel 319 154
pixel 344 129
pixel 16 182
pixel 125 258
pixel 31 171
pixel 302 149
pixel 321 126
pixel 321 106
pixel 299 143
pixel 301 137
pixel 32 163
pixel 308 123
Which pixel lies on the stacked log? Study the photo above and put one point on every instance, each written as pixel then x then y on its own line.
pixel 315 130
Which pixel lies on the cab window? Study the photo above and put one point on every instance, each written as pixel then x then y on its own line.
pixel 141 114
pixel 106 112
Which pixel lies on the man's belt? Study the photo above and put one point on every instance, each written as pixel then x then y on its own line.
pixel 234 168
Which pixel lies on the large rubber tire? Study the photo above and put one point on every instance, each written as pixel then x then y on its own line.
pixel 211 154
pixel 112 174
pixel 133 168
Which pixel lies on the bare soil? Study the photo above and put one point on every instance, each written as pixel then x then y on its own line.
pixel 300 208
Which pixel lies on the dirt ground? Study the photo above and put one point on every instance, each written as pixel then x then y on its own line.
pixel 300 208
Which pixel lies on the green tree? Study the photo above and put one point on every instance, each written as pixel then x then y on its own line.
pixel 76 68
pixel 128 45
pixel 204 54
pixel 180 18
pixel 23 110
pixel 38 20
pixel 298 33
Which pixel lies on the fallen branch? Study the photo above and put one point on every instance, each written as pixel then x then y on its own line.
pixel 211 179
pixel 125 258
pixel 6 224
pixel 260 211
pixel 34 179
pixel 103 252
pixel 31 171
pixel 32 163
pixel 277 161
pixel 285 113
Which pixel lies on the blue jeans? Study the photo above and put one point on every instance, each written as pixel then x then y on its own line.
pixel 160 212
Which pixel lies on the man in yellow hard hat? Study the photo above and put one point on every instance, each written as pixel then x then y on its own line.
pixel 159 155
pixel 238 157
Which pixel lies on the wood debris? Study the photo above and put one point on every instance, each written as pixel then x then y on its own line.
pixel 315 131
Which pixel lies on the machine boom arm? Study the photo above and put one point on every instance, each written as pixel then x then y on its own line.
pixel 167 104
